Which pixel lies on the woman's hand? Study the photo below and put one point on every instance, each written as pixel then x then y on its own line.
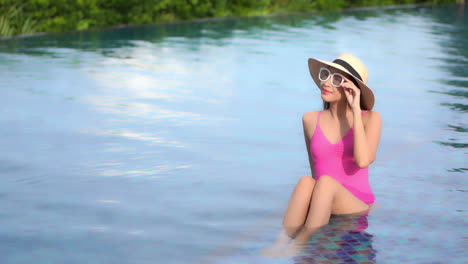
pixel 353 94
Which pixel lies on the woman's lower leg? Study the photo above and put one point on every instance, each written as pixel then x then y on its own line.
pixel 298 206
pixel 320 208
pixel 321 203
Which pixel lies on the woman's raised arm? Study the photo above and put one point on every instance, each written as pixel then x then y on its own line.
pixel 366 138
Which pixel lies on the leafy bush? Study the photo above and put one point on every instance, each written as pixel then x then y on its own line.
pixel 28 16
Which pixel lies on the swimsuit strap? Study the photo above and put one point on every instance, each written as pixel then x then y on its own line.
pixel 318 120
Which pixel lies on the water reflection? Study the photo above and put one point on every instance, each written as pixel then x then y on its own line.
pixel 452 144
pixel 216 32
pixel 459 128
pixel 457 106
pixel 459 93
pixel 339 247
pixel 343 240
pixel 456 65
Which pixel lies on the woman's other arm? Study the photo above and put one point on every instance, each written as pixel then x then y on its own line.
pixel 309 121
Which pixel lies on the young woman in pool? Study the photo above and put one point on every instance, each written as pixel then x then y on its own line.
pixel 342 142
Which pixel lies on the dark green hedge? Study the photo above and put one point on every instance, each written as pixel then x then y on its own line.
pixel 28 16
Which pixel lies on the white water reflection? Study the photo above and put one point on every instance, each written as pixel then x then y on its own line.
pixel 146 137
pixel 108 201
pixel 167 83
pixel 149 172
pixel 137 173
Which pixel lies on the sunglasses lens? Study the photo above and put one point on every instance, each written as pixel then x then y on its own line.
pixel 337 80
pixel 324 74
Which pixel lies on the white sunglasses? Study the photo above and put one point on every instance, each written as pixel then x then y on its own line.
pixel 325 74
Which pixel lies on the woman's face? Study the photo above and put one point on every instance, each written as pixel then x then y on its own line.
pixel 331 93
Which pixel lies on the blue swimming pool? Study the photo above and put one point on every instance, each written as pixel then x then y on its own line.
pixel 181 143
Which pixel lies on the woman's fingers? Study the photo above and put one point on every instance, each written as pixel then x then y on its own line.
pixel 352 93
pixel 351 88
pixel 349 91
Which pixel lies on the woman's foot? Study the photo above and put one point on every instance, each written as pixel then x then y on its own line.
pixel 280 244
pixel 274 251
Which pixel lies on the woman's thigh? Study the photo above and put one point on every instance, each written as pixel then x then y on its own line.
pixel 345 202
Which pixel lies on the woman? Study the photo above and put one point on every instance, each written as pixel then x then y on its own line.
pixel 341 142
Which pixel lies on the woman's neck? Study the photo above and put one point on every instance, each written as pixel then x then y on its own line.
pixel 339 110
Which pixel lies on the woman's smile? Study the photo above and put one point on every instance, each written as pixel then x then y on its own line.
pixel 324 91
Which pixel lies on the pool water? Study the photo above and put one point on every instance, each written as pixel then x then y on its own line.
pixel 182 143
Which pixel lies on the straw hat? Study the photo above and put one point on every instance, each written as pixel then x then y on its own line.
pixel 350 65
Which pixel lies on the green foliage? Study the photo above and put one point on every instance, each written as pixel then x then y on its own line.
pixel 13 22
pixel 330 5
pixel 28 16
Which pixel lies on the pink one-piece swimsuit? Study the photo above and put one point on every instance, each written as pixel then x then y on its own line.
pixel 337 161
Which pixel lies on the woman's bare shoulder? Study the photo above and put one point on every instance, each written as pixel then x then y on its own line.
pixel 310 116
pixel 309 121
pixel 372 117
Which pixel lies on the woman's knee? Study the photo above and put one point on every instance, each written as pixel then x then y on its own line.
pixel 306 181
